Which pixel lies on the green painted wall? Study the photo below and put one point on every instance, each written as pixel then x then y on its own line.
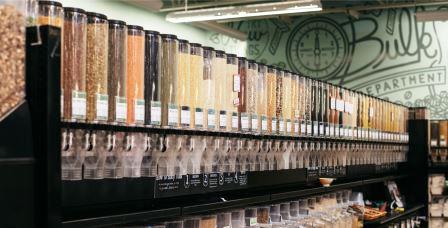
pixel 115 9
pixel 385 53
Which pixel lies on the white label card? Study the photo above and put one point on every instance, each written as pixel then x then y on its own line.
pixel 185 116
pixel 78 105
pixel 264 123
pixel 222 119
pixel 235 120
pixel 340 105
pixel 173 114
pixel 211 118
pixel 254 122
pixel 332 103
pixel 102 105
pixel 199 117
pixel 236 83
pixel 155 113
pixel 244 122
pixel 139 106
pixel 120 109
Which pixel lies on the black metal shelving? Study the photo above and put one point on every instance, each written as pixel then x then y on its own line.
pixel 158 130
pixel 393 217
pixel 93 203
pixel 438 167
pixel 220 204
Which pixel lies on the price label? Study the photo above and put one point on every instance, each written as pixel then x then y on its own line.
pixel 303 127
pixel 155 113
pixel 244 122
pixel 288 126
pixel 222 119
pixel 281 125
pixel 235 121
pixel 296 127
pixel 173 115
pixel 315 129
pixel 340 105
pixel 254 122
pixel 185 116
pixel 78 105
pixel 274 124
pixel 309 129
pixel 199 118
pixel 321 129
pixel 332 103
pixel 102 106
pixel 211 119
pixel 264 123
pixel 120 109
pixel 236 83
pixel 139 111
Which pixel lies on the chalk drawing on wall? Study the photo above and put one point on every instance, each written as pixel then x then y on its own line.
pixel 385 53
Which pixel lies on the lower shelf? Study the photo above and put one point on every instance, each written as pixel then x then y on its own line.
pixel 393 217
pixel 220 202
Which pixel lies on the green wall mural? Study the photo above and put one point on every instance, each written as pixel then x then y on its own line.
pixel 384 53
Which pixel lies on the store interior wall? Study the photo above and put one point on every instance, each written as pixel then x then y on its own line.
pixel 385 53
pixel 132 14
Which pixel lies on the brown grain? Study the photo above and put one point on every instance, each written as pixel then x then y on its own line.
pixel 12 59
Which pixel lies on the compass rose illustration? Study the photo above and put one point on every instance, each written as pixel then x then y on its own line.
pixel 317 47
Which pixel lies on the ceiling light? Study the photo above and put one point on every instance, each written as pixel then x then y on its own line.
pixel 245 11
pixel 422 16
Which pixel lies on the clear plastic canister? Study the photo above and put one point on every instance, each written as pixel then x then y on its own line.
pixel 251 95
pixel 117 72
pixel 224 220
pixel 96 68
pixel 183 83
pixel 12 61
pixel 279 99
pixel 287 103
pixel 238 219
pixel 242 95
pixel 135 75
pixel 196 75
pixel 271 97
pixel 262 98
pixel 170 54
pixel 221 95
pixel 74 41
pixel 233 88
pixel 50 13
pixel 153 61
pixel 208 88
